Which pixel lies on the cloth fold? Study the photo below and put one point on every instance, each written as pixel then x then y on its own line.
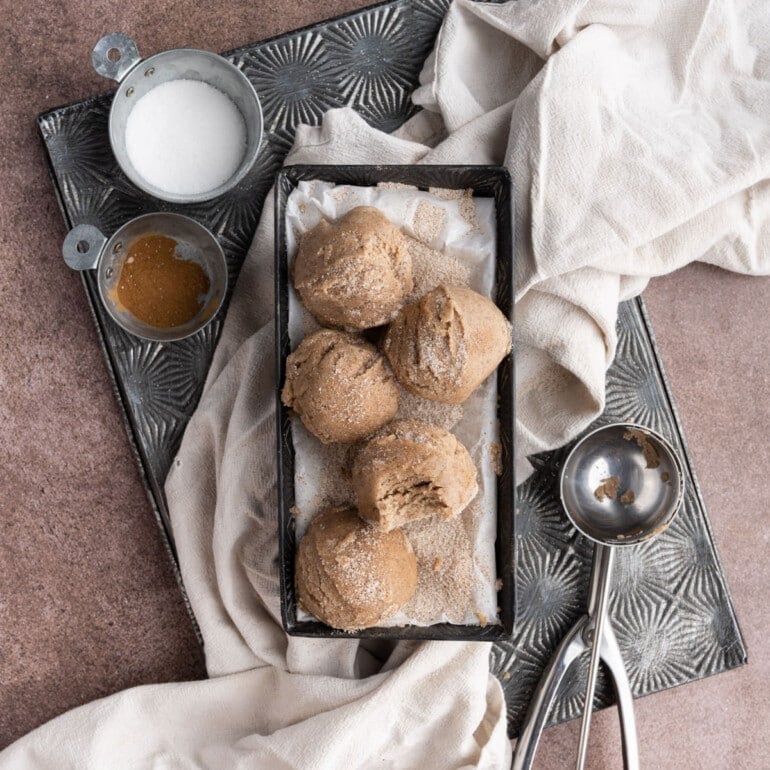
pixel 638 140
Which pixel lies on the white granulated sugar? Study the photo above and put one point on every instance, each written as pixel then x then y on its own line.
pixel 185 137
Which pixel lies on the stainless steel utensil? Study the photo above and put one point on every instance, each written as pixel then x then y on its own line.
pixel 621 484
pixel 86 248
pixel 116 57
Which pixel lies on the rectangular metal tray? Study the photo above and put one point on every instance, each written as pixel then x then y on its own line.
pixel 485 181
pixel 673 612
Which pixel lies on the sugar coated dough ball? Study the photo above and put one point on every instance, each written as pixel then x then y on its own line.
pixel 351 575
pixel 411 470
pixel 340 386
pixel 355 272
pixel 444 345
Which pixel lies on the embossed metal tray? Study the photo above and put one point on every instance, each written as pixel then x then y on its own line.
pixel 485 181
pixel 672 612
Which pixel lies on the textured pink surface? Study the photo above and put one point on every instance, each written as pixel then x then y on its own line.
pixel 88 602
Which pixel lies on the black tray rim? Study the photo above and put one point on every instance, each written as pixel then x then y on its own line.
pixel 488 181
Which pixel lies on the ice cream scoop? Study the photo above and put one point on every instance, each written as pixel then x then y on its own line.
pixel 621 484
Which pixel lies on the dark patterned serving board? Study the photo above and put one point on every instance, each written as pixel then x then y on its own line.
pixel 672 611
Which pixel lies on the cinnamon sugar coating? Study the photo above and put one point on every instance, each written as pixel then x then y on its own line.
pixel 412 470
pixel 351 575
pixel 444 345
pixel 340 386
pixel 355 272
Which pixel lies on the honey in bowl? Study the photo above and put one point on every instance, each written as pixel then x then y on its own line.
pixel 158 286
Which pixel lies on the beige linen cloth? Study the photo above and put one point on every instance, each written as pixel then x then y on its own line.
pixel 638 138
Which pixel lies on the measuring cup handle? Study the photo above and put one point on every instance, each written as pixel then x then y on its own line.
pixel 125 56
pixel 83 246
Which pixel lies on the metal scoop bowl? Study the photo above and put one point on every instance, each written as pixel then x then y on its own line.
pixel 621 484
pixel 643 500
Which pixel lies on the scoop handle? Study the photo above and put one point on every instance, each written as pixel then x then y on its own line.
pixel 568 651
pixel 614 661
pixel 114 55
pixel 598 602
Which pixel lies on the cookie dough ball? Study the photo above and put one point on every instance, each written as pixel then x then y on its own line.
pixel 411 470
pixel 340 386
pixel 444 345
pixel 355 272
pixel 351 575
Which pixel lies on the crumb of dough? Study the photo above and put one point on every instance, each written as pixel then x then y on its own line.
pixel 482 618
pixel 608 489
pixel 630 534
pixel 627 497
pixel 651 456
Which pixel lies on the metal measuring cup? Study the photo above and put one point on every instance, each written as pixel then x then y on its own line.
pixel 621 484
pixel 86 248
pixel 116 57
